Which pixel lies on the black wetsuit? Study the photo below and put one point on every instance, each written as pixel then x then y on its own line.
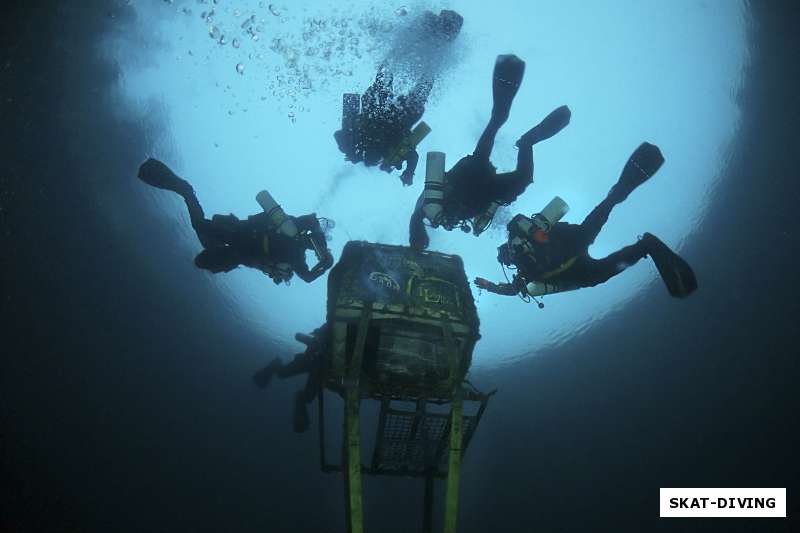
pixel 310 362
pixel 473 183
pixel 564 259
pixel 385 120
pixel 251 243
pixel 230 242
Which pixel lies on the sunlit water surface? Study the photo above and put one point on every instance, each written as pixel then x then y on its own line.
pixel 252 95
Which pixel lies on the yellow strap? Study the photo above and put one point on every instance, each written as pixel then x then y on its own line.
pixel 265 244
pixel 564 266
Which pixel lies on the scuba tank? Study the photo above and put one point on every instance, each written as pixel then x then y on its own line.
pixel 520 250
pixel 551 214
pixel 540 288
pixel 398 152
pixel 279 221
pixel 433 195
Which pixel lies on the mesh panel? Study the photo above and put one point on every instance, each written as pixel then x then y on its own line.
pixel 406 448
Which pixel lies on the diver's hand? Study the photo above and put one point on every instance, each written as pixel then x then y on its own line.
pixel 483 283
pixel 407 178
pixel 324 264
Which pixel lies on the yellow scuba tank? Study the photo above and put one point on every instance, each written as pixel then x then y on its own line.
pixel 398 153
pixel 279 221
pixel 433 195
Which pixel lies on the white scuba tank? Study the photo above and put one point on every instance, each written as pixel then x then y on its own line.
pixel 279 220
pixel 551 214
pixel 433 195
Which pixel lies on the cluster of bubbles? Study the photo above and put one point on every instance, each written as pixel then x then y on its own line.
pixel 291 53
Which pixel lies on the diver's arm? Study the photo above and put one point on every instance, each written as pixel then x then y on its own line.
pixel 505 289
pixel 412 158
pixel 302 271
pixel 310 224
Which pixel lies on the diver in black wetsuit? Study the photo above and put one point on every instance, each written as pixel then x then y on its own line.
pixel 307 362
pixel 472 189
pixel 382 131
pixel 553 256
pixel 272 241
pixel 378 127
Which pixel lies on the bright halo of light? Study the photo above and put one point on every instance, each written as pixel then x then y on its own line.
pixel 252 101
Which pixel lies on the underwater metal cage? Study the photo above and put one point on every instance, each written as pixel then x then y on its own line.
pixel 402 326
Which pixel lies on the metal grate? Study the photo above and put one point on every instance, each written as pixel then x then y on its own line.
pixel 413 442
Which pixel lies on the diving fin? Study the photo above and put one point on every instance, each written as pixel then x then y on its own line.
pixel 678 276
pixel 553 123
pixel 155 173
pixel 508 73
pixel 642 164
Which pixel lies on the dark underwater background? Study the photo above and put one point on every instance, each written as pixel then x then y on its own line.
pixel 125 395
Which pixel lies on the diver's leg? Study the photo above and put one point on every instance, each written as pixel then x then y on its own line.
pixel 300 413
pixel 218 259
pixel 418 237
pixel 483 150
pixel 641 165
pixel 301 364
pixel 157 174
pixel 596 219
pixel 303 397
pixel 676 273
pixel 508 186
pixel 508 73
pixel 553 123
pixel 588 272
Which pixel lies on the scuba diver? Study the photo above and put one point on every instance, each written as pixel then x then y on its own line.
pixel 307 362
pixel 272 241
pixel 552 256
pixel 378 127
pixel 471 191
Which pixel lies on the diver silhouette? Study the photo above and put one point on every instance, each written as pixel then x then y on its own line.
pixel 381 131
pixel 472 190
pixel 272 242
pixel 552 256
pixel 378 127
pixel 307 362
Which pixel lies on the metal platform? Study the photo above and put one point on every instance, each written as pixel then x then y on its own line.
pixel 402 327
